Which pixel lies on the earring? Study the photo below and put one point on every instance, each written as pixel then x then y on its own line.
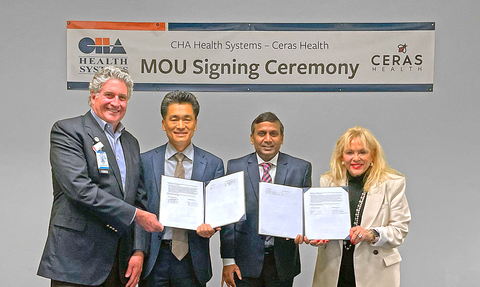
pixel 343 163
pixel 371 164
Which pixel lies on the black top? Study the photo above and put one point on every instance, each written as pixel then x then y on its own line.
pixel 355 189
pixel 347 272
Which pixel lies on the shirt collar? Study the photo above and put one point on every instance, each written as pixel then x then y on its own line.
pixel 171 151
pixel 106 126
pixel 272 161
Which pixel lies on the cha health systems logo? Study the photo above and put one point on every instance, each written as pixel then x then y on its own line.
pixel 100 46
pixel 98 53
pixel 399 62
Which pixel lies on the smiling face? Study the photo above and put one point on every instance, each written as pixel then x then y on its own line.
pixel 267 139
pixel 110 104
pixel 179 124
pixel 357 157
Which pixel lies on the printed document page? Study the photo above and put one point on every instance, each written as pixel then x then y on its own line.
pixel 327 213
pixel 181 203
pixel 280 210
pixel 225 200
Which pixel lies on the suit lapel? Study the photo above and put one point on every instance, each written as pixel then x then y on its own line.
pixel 158 162
pixel 128 161
pixel 199 164
pixel 372 205
pixel 158 166
pixel 282 169
pixel 253 173
pixel 93 130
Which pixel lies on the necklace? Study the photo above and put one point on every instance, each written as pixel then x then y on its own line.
pixel 357 217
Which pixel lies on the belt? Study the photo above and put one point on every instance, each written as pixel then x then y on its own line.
pixel 269 250
pixel 166 243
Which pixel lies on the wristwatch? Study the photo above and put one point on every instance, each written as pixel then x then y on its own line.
pixel 375 234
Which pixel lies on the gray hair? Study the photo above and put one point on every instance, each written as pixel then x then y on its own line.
pixel 179 97
pixel 108 73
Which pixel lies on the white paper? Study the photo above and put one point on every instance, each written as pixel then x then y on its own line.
pixel 181 203
pixel 280 210
pixel 225 200
pixel 327 213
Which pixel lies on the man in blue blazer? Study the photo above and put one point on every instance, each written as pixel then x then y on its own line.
pixel 251 259
pixel 163 266
pixel 95 173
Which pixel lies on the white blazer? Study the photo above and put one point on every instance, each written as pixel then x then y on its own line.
pixel 386 209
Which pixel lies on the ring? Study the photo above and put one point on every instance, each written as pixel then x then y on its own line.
pixel 360 236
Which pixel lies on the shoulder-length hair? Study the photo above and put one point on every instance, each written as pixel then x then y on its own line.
pixel 374 175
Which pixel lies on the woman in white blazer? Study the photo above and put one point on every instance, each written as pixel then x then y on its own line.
pixel 379 212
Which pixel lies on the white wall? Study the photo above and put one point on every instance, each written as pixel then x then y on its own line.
pixel 431 137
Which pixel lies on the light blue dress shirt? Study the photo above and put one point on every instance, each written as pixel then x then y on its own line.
pixel 114 140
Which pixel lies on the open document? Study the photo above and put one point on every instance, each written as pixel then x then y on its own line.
pixel 318 213
pixel 188 203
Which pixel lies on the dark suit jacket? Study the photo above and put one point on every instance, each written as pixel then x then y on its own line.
pixel 91 213
pixel 206 167
pixel 241 240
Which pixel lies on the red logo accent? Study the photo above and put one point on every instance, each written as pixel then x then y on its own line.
pixel 402 48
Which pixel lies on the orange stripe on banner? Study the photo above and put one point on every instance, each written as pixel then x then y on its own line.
pixel 144 26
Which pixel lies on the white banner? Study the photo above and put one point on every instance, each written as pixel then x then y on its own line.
pixel 256 57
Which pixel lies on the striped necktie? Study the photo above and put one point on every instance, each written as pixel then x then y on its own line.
pixel 266 175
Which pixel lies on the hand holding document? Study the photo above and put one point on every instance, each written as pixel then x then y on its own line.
pixel 187 203
pixel 318 213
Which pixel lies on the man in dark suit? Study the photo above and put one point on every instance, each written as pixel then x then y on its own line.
pixel 251 259
pixel 95 173
pixel 164 265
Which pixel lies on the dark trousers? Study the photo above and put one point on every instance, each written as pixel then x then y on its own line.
pixel 347 273
pixel 169 272
pixel 113 279
pixel 268 277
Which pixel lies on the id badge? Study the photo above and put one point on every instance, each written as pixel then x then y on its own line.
pixel 102 161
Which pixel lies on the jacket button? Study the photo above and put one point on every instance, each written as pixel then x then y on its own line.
pixel 375 252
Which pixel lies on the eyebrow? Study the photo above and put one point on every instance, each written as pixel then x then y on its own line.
pixel 184 116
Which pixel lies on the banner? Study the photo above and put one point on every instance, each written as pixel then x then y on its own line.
pixel 239 57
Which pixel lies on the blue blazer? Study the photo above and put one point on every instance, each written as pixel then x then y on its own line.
pixel 241 240
pixel 206 167
pixel 91 213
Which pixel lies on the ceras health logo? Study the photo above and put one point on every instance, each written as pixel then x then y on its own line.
pixel 100 46
pixel 397 60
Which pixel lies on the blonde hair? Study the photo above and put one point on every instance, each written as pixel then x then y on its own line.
pixel 374 175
